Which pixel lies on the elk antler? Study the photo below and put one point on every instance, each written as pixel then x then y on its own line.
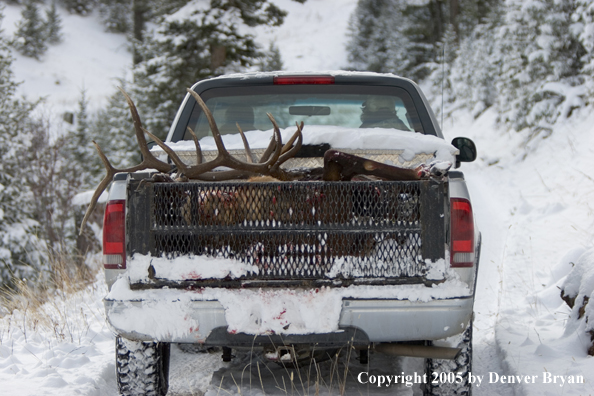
pixel 269 164
pixel 148 162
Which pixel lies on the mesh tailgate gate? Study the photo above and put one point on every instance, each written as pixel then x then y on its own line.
pixel 295 232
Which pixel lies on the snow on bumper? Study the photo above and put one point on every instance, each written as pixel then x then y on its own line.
pixel 384 313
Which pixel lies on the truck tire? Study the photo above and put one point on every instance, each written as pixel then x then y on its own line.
pixel 142 368
pixel 451 377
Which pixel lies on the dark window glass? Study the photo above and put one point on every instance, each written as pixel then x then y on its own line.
pixel 332 105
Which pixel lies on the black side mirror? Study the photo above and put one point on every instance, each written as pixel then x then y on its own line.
pixel 467 150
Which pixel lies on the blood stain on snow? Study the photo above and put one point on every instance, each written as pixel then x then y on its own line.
pixel 280 316
pixel 192 275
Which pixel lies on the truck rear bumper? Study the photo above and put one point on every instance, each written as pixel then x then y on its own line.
pixel 369 320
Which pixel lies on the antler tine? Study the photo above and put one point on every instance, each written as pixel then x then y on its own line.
pixel 149 159
pixel 197 144
pixel 111 171
pixel 248 151
pixel 211 122
pixel 269 150
pixel 279 141
pixel 290 152
pixel 181 166
pixel 289 144
pixel 226 159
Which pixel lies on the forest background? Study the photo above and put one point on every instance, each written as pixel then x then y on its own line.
pixel 530 61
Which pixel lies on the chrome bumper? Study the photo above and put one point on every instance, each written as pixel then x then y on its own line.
pixel 379 320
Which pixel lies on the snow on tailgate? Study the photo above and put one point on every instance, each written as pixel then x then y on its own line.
pixel 186 268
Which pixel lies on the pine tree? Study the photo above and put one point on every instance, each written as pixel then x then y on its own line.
pixel 113 130
pixel 392 36
pixel 30 36
pixel 583 29
pixel 116 15
pixel 53 25
pixel 272 59
pixel 79 151
pixel 474 71
pixel 541 61
pixel 19 244
pixel 467 69
pixel 80 7
pixel 406 37
pixel 187 48
pixel 367 46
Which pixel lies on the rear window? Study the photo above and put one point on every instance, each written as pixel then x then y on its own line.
pixel 335 105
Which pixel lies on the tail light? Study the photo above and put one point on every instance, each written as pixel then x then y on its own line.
pixel 292 80
pixel 462 231
pixel 114 237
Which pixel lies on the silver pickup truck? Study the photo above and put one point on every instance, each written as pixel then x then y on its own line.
pixel 357 236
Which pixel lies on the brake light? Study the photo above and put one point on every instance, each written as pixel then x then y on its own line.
pixel 291 80
pixel 114 237
pixel 462 231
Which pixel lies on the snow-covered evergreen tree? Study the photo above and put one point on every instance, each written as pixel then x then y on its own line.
pixel 367 45
pixel 271 60
pixel 467 70
pixel 393 36
pixel 30 36
pixel 53 25
pixel 80 7
pixel 541 61
pixel 406 37
pixel 199 41
pixel 79 151
pixel 113 130
pixel 583 28
pixel 19 243
pixel 116 15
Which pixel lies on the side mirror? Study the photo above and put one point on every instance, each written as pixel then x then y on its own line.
pixel 467 150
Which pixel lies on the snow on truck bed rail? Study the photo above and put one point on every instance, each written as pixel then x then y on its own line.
pixel 411 143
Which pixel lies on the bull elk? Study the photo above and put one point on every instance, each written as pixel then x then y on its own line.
pixel 268 165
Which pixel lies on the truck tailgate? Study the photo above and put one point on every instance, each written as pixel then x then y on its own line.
pixel 304 233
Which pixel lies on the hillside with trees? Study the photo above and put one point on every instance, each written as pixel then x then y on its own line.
pixel 531 61
pixel 173 45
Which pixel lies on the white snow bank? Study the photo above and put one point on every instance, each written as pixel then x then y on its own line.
pixel 580 280
pixel 579 285
pixel 62 348
pixel 411 144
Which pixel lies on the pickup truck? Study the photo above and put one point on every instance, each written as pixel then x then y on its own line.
pixel 358 236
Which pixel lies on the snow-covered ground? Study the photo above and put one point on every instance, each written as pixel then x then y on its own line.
pixel 532 203
pixel 87 59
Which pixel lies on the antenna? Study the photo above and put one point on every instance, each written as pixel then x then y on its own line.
pixel 442 78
